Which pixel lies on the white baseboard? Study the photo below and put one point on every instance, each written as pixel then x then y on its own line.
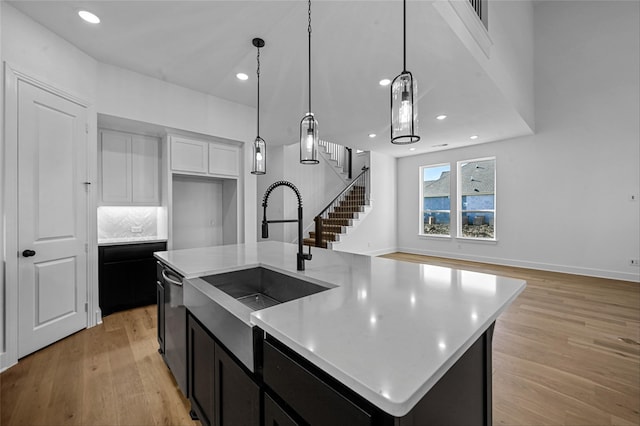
pixel 550 267
pixel 4 361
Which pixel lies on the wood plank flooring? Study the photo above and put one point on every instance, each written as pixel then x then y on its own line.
pixel 111 374
pixel 565 353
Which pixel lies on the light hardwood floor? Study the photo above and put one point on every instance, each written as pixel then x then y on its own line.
pixel 560 351
pixel 565 353
pixel 111 374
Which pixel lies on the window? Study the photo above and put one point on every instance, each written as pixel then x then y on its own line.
pixel 477 198
pixel 436 199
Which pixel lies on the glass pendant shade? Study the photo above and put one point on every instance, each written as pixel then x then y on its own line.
pixel 309 140
pixel 259 157
pixel 404 109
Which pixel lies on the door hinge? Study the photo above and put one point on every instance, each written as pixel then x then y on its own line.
pixel 86 307
pixel 86 248
pixel 86 128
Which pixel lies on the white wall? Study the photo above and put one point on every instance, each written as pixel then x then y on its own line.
pixel 2 224
pixel 275 210
pixel 512 54
pixel 35 51
pixel 507 56
pixel 563 193
pixel 31 49
pixel 377 232
pixel 318 184
pixel 130 95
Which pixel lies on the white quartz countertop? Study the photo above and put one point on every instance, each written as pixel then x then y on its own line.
pixel 129 240
pixel 389 330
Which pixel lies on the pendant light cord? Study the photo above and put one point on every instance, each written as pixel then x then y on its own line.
pixel 258 74
pixel 404 36
pixel 309 30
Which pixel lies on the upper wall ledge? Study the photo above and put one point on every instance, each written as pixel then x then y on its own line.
pixel 464 21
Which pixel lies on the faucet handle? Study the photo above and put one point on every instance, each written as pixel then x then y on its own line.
pixel 308 255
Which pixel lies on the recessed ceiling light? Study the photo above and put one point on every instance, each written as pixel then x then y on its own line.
pixel 412 149
pixel 385 82
pixel 372 135
pixel 242 76
pixel 441 117
pixel 473 137
pixel 89 17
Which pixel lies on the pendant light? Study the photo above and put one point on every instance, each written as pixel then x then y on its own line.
pixel 404 98
pixel 259 146
pixel 309 125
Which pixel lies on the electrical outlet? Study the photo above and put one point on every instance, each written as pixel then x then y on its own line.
pixel 136 229
pixel 634 262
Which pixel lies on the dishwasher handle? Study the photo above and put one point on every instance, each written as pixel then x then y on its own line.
pixel 170 280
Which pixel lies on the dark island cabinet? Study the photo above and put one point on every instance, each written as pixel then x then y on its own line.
pixel 313 398
pixel 220 391
pixel 275 415
pixel 126 276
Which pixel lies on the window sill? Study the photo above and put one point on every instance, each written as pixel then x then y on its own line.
pixel 436 236
pixel 477 240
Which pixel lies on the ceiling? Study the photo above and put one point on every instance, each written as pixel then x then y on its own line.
pixel 201 45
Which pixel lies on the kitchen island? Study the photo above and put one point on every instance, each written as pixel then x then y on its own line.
pixel 398 340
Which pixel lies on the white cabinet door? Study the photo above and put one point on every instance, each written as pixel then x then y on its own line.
pixel 115 167
pixel 129 169
pixel 223 159
pixel 145 170
pixel 189 155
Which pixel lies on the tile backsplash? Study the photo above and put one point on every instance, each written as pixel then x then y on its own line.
pixel 130 222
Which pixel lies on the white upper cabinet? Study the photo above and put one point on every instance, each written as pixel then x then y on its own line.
pixel 223 159
pixel 189 156
pixel 129 169
pixel 145 176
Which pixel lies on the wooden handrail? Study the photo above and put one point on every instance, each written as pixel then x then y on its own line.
pixel 360 180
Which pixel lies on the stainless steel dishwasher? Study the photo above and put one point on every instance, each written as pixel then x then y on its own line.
pixel 175 325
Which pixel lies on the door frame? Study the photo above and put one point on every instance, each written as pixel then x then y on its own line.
pixel 12 76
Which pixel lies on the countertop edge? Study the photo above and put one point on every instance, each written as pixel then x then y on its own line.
pixel 393 408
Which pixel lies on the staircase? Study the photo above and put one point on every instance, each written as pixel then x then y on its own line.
pixel 338 156
pixel 340 213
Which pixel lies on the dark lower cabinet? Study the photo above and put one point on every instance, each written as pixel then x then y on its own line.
pixel 220 391
pixel 126 276
pixel 201 349
pixel 298 392
pixel 275 415
pixel 310 396
pixel 237 396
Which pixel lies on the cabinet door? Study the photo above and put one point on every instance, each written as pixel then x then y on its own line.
pixel 274 415
pixel 223 160
pixel 315 400
pixel 115 167
pixel 188 155
pixel 145 161
pixel 201 368
pixel 237 396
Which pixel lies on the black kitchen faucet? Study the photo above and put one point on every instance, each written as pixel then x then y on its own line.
pixel 265 223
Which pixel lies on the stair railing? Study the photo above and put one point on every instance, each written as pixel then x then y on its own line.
pixel 353 195
pixel 340 154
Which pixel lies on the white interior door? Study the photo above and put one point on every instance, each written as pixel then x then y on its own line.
pixel 52 218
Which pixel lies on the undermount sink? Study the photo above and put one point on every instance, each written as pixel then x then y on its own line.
pixel 223 303
pixel 260 288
